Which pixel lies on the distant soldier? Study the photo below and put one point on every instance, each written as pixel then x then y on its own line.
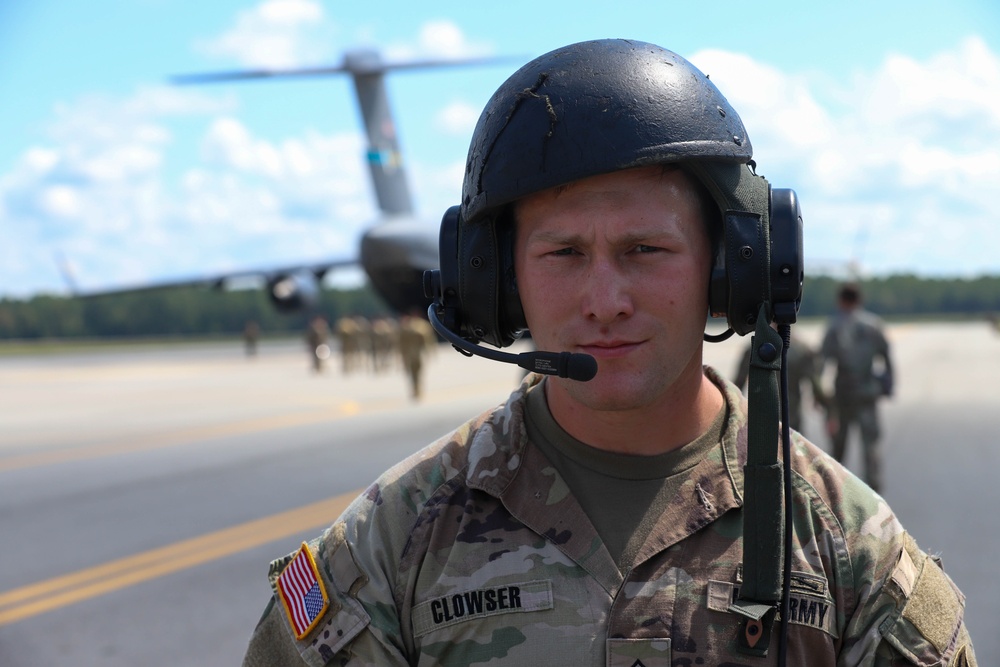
pixel 415 339
pixel 353 336
pixel 384 340
pixel 363 331
pixel 855 342
pixel 804 367
pixel 251 334
pixel 347 336
pixel 317 334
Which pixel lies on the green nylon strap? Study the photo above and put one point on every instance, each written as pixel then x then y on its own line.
pixel 763 515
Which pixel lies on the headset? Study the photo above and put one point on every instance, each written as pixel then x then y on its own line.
pixel 758 260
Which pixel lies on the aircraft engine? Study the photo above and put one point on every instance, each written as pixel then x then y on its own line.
pixel 293 292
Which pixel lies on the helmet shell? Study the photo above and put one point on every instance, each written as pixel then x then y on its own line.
pixel 591 108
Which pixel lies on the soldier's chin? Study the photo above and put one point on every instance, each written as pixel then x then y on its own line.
pixel 610 392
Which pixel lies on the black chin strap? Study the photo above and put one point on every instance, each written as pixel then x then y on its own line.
pixel 761 592
pixel 785 331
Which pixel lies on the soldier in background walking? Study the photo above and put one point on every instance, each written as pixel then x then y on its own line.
pixel 353 334
pixel 384 340
pixel 317 334
pixel 415 339
pixel 251 334
pixel 856 344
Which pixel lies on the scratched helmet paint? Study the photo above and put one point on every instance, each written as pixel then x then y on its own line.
pixel 592 108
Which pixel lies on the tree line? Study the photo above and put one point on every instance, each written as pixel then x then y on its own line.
pixel 908 296
pixel 181 311
pixel 204 312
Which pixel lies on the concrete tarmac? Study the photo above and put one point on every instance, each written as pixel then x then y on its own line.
pixel 143 490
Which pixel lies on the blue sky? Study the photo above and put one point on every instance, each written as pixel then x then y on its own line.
pixel 883 116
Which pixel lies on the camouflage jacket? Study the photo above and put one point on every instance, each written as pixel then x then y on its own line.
pixel 472 551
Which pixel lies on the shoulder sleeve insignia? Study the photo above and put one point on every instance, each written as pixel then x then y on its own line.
pixel 927 627
pixel 302 592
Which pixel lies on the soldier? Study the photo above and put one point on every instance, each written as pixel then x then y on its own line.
pixel 384 342
pixel 352 334
pixel 251 334
pixel 804 368
pixel 317 334
pixel 855 343
pixel 363 332
pixel 600 523
pixel 415 339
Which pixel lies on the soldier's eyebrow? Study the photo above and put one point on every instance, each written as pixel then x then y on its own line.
pixel 556 237
pixel 636 233
pixel 649 237
pixel 631 238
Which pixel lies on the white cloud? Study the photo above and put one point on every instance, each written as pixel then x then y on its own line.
pixel 61 201
pixel 39 160
pixel 96 192
pixel 308 177
pixel 229 144
pixel 900 174
pixel 275 33
pixel 457 118
pixel 438 39
pixel 953 85
pixel 102 158
pixel 443 38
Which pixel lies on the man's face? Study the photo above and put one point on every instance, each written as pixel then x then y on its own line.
pixel 617 266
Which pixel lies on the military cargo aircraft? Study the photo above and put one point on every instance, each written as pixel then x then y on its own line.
pixel 397 248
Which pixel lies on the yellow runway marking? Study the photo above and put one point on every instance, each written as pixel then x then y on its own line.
pixel 27 601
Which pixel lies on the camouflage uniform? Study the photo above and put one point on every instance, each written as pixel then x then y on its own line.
pixel 854 341
pixel 473 551
pixel 415 336
pixel 316 335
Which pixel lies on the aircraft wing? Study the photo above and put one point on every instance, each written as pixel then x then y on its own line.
pixel 221 280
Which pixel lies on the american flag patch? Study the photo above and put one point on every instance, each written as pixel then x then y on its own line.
pixel 302 592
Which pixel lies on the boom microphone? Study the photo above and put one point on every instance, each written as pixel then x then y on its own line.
pixel 572 365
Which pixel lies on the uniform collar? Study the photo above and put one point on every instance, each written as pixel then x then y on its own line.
pixel 505 465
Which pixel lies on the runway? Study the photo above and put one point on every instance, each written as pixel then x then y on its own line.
pixel 144 489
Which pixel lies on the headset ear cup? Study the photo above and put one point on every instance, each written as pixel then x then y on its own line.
pixel 489 307
pixel 446 292
pixel 747 269
pixel 477 277
pixel 787 263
